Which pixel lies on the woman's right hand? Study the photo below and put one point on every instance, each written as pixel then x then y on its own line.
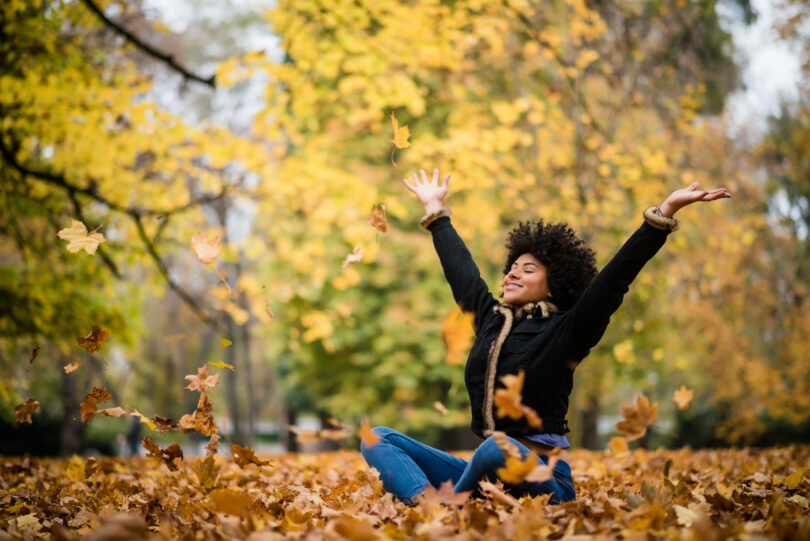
pixel 430 193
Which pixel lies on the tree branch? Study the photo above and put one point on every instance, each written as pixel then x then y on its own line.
pixel 148 49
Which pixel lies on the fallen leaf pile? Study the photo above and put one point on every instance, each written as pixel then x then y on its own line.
pixel 682 494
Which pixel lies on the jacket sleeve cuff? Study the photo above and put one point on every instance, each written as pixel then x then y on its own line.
pixel 660 222
pixel 433 216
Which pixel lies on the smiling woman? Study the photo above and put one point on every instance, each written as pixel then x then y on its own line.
pixel 555 309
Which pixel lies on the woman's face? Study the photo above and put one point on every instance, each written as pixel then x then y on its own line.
pixel 525 281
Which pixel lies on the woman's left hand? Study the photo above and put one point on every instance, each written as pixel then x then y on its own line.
pixel 680 198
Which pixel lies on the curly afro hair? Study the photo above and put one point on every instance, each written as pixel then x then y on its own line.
pixel 570 264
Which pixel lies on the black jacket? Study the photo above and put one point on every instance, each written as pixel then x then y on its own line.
pixel 546 349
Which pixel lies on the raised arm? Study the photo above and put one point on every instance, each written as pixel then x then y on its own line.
pixel 469 289
pixel 586 321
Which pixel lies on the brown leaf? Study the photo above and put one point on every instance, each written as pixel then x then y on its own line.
pixel 377 219
pixel 213 446
pixel 89 406
pixel 92 342
pixel 352 528
pixel 230 501
pixel 33 355
pixel 504 444
pixel 245 455
pixel 22 412
pixel 163 424
pixel 202 381
pixel 441 408
pixel 637 419
pixel 167 455
pixel 206 470
pixel 495 491
pixel 202 420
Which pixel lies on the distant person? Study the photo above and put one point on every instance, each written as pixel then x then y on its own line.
pixel 134 436
pixel 555 309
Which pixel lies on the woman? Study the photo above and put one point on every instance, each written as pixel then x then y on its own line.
pixel 555 309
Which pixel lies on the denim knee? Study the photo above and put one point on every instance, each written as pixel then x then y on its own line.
pixel 489 456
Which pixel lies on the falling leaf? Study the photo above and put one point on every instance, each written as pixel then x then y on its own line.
pixel 220 364
pixel 516 470
pixel 160 424
pixel 543 472
pixel 33 355
pixel 445 495
pixel 213 446
pixel 505 444
pixel 369 437
pixel 167 455
pixel 457 331
pixel 618 445
pixel 377 219
pixel 637 419
pixel 22 412
pixel 89 406
pixel 202 381
pixel 495 491
pixel 356 255
pixel 268 309
pixel 224 342
pixel 243 456
pixel 202 420
pixel 113 412
pixel 207 250
pixel 305 435
pixel 401 136
pixel 441 408
pixel 79 239
pixel 508 400
pixel 92 342
pixel 682 397
pixel 146 420
pixel 72 367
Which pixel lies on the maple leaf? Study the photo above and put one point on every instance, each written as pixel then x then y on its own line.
pixel 431 499
pixel 508 400
pixel 92 342
pixel 637 419
pixel 356 255
pixel 89 406
pixel 505 444
pixel 207 471
pixel 243 456
pixel 22 412
pixel 457 332
pixel 495 491
pixel 377 218
pixel 369 437
pixel 167 455
pixel 79 239
pixel 33 355
pixel 72 367
pixel 401 136
pixel 202 381
pixel 516 470
pixel 543 472
pixel 224 342
pixel 683 396
pixel 618 445
pixel 202 420
pixel 207 250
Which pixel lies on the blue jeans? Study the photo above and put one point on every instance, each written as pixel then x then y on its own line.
pixel 407 466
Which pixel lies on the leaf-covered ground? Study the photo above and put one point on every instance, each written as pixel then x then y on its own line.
pixel 683 494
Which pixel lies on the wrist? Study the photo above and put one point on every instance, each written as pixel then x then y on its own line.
pixel 667 210
pixel 433 206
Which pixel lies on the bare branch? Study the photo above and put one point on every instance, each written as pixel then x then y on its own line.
pixel 148 49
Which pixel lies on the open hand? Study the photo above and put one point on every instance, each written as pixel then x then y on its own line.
pixel 431 193
pixel 686 196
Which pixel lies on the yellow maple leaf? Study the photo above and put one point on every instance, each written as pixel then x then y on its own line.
pixel 401 136
pixel 207 250
pixel 516 469
pixel 224 342
pixel 508 400
pixel 457 331
pixel 683 396
pixel 79 239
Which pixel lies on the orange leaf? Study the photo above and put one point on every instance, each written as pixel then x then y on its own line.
pixel 243 456
pixel 89 406
pixel 683 396
pixel 508 400
pixel 207 250
pixel 377 219
pixel 22 412
pixel 92 342
pixel 230 501
pixel 516 469
pixel 457 331
pixel 202 420
pixel 637 419
pixel 369 437
pixel 167 455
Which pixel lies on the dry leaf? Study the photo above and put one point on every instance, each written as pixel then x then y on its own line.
pixel 33 355
pixel 230 501
pixel 543 472
pixel 505 444
pixel 516 470
pixel 207 250
pixel 401 136
pixel 369 437
pixel 92 342
pixel 637 419
pixel 89 406
pixel 377 219
pixel 206 470
pixel 508 401
pixel 224 342
pixel 202 420
pixel 167 455
pixel 356 255
pixel 243 456
pixel 495 491
pixel 305 435
pixel 79 239
pixel 268 309
pixel 682 397
pixel 618 445
pixel 444 495
pixel 72 367
pixel 160 424
pixel 22 412
pixel 146 420
pixel 213 446
pixel 220 364
pixel 113 412
pixel 457 332
pixel 202 381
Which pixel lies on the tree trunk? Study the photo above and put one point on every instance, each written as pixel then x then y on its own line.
pixel 247 365
pixel 70 435
pixel 292 419
pixel 590 416
pixel 237 436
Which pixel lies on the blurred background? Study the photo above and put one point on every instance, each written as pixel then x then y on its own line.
pixel 268 125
